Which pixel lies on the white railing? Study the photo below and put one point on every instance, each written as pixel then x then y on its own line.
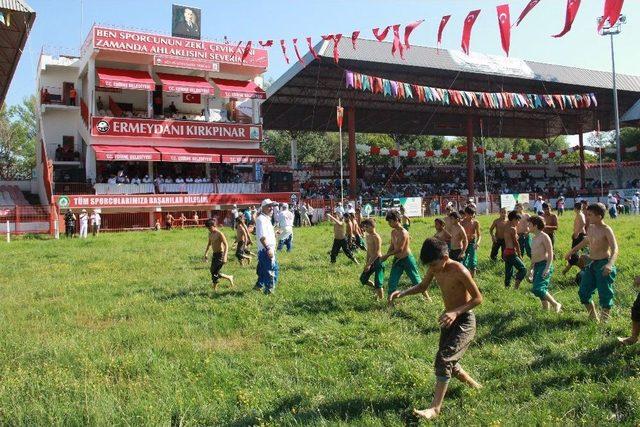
pixel 124 188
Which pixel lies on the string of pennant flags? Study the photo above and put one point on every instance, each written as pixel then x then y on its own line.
pixel 446 152
pixel 450 97
pixel 401 35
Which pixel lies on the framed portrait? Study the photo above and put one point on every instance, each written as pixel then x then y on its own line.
pixel 185 21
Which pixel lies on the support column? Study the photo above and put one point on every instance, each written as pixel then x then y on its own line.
pixel 470 158
pixel 353 177
pixel 582 165
pixel 294 154
pixel 150 170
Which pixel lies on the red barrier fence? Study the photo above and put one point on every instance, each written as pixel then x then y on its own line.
pixel 27 219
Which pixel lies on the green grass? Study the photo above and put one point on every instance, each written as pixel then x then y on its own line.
pixel 125 329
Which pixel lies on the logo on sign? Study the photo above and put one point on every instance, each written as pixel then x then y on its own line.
pixel 102 126
pixel 254 133
pixel 368 209
pixel 63 202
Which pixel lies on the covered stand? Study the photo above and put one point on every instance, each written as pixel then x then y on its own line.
pixel 306 96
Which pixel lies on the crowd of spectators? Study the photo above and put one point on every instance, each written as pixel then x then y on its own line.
pixel 428 181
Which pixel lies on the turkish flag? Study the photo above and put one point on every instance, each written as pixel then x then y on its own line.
pixel 408 30
pixel 572 12
pixel 612 10
pixel 531 5
pixel 468 26
pixel 397 46
pixel 191 98
pixel 354 37
pixel 380 36
pixel 443 23
pixel 283 45
pixel 504 21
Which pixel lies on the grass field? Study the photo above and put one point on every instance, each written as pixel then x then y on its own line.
pixel 125 329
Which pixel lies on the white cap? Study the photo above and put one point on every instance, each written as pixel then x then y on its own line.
pixel 267 202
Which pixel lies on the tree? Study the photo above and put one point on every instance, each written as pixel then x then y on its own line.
pixel 18 138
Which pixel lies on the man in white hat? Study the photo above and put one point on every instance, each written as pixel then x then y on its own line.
pixel 635 203
pixel 84 224
pixel 267 269
pixel 285 226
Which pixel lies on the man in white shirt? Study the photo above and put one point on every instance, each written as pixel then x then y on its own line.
pixel 635 203
pixel 234 216
pixel 146 179
pixel 179 180
pixel 285 225
pixel 96 221
pixel 613 206
pixel 267 268
pixel 112 180
pixel 537 206
pixel 84 224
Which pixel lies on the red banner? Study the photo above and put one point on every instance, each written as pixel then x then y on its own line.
pixel 186 63
pixel 174 129
pixel 155 44
pixel 165 200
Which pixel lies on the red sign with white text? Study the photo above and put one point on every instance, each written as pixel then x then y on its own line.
pixel 165 200
pixel 174 129
pixel 176 47
pixel 188 63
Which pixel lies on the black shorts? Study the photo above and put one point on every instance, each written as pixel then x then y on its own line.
pixel 241 250
pixel 635 310
pixel 216 266
pixel 573 260
pixel 455 254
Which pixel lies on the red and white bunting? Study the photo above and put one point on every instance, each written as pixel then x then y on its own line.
pixel 372 150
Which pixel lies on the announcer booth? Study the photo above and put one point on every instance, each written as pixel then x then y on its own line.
pixel 166 124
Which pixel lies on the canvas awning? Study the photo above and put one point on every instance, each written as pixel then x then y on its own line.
pixel 125 79
pixel 239 89
pixel 126 153
pixel 185 84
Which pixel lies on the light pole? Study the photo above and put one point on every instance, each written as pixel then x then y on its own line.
pixel 608 30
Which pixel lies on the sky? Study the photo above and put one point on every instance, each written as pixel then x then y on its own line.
pixel 62 25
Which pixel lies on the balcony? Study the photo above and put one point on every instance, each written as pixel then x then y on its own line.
pixel 65 188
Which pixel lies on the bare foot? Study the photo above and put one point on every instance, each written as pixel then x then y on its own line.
pixel 545 305
pixel 427 414
pixel 605 316
pixel 628 340
pixel 427 297
pixel 231 281
pixel 558 308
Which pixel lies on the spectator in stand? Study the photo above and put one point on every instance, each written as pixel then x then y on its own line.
pixel 45 97
pixel 69 223
pixel 136 180
pixel 172 108
pixel 59 153
pixel 96 222
pixel 146 179
pixel 73 94
pixel 99 104
pixel 84 223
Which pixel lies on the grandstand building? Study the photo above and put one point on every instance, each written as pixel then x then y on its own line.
pixel 147 124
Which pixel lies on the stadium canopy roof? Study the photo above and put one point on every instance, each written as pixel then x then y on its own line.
pixel 305 97
pixel 16 22
pixel 632 116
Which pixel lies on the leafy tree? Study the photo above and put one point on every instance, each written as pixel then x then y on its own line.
pixel 18 138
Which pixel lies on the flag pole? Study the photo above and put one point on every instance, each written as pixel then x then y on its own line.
pixel 339 116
